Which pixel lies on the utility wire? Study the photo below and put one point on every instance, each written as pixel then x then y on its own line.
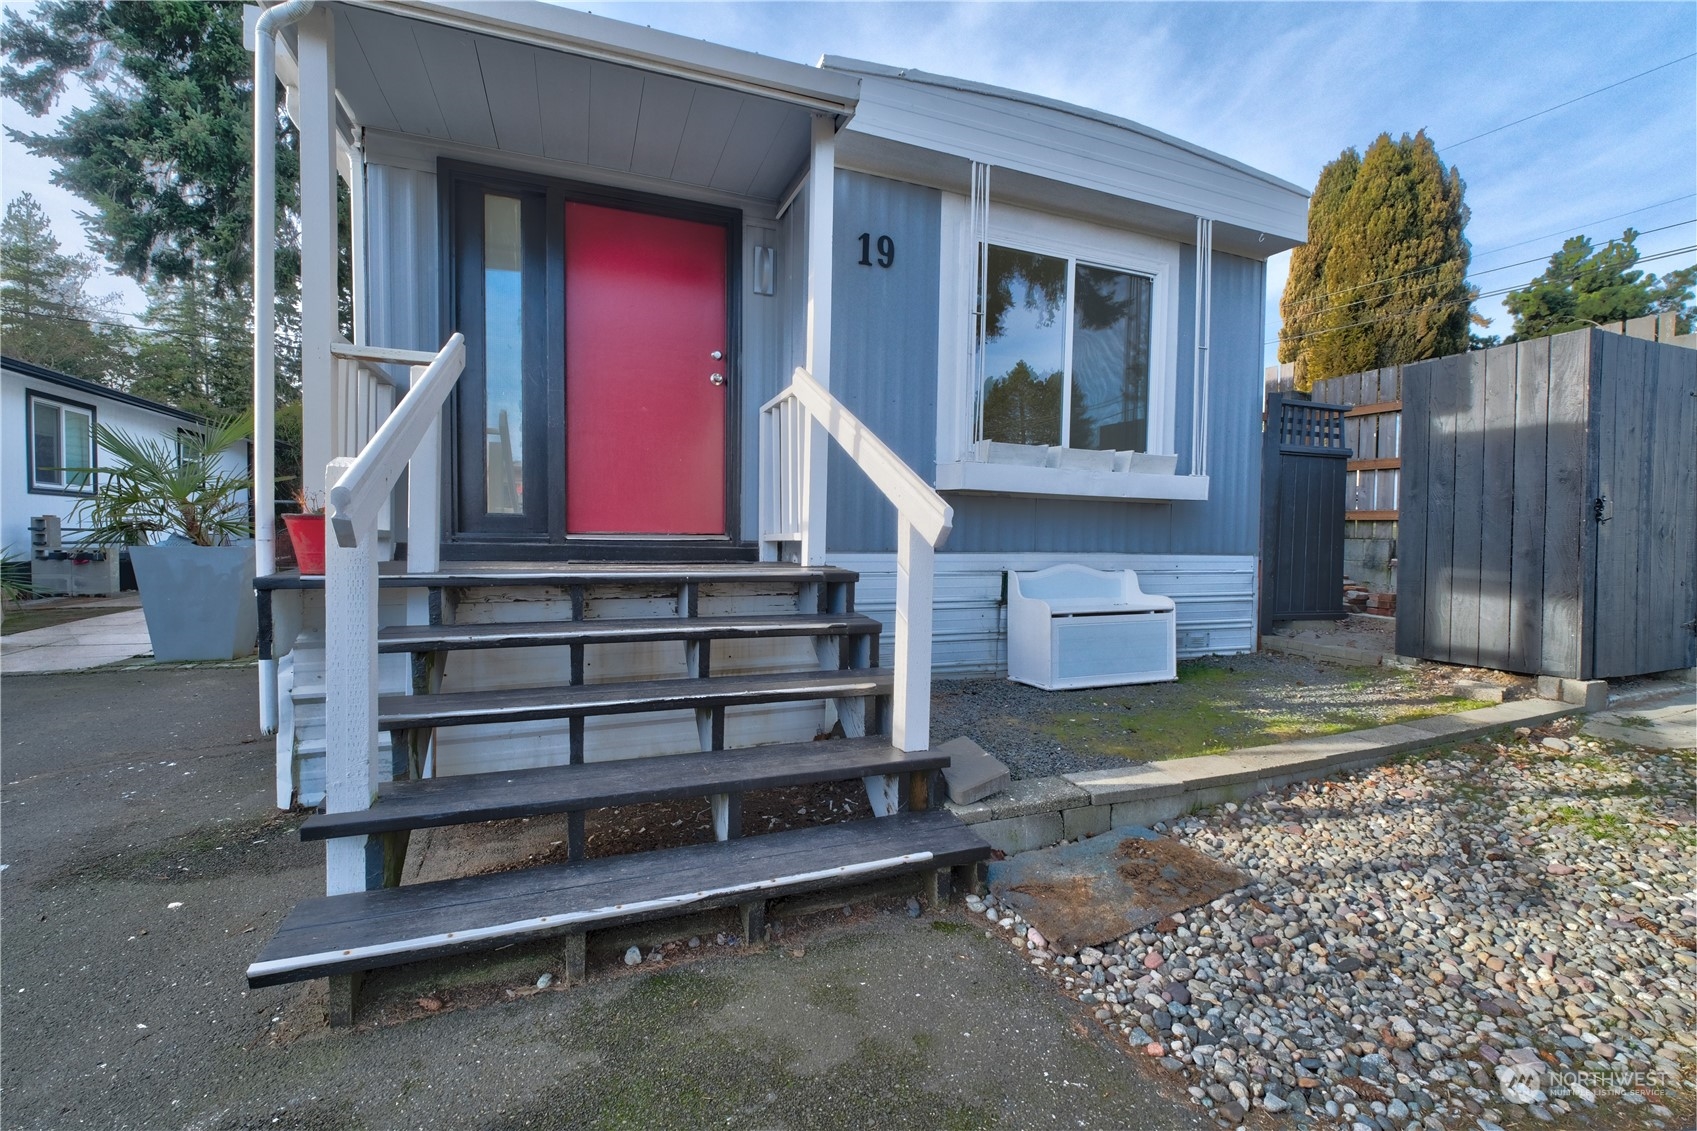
pixel 1569 102
pixel 1579 227
pixel 1470 275
pixel 1390 316
pixel 20 312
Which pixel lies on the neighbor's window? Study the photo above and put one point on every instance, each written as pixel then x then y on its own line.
pixel 61 438
pixel 1065 353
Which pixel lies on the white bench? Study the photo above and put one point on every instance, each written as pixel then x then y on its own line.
pixel 1071 626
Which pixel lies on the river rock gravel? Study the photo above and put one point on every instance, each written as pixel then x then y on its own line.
pixel 1499 933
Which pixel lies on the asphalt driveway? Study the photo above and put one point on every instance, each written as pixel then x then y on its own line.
pixel 145 865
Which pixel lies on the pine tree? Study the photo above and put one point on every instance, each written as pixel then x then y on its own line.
pixel 200 356
pixel 1583 286
pixel 162 153
pixel 46 314
pixel 1383 278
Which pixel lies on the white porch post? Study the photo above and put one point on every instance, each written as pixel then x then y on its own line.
pixel 821 203
pixel 910 722
pixel 350 704
pixel 317 56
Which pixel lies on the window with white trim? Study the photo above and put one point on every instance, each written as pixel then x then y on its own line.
pixel 1058 358
pixel 1064 352
pixel 61 440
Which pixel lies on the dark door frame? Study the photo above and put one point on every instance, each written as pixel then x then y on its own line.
pixel 469 533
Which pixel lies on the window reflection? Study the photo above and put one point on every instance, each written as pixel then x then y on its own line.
pixel 1024 346
pixel 1110 360
pixel 503 361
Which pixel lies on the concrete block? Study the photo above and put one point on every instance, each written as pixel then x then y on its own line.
pixel 975 814
pixel 1678 675
pixel 1442 726
pixel 1022 834
pixel 1108 787
pixel 1405 663
pixel 972 773
pixel 1480 689
pixel 1589 694
pixel 1548 687
pixel 1147 811
pixel 1212 769
pixel 1035 795
pixel 1086 820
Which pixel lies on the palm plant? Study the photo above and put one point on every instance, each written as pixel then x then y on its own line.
pixel 160 489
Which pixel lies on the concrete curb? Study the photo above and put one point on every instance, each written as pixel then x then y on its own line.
pixel 1039 812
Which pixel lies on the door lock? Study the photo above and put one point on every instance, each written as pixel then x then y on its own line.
pixel 717 378
pixel 717 355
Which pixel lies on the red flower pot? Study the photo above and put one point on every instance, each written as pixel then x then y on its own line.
pixel 306 534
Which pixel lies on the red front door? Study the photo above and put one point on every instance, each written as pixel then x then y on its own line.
pixel 645 373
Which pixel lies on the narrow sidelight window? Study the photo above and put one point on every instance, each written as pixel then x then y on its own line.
pixel 503 335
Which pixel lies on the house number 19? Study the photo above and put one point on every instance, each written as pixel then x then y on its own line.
pixel 886 250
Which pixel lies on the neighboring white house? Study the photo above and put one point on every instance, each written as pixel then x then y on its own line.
pixel 48 420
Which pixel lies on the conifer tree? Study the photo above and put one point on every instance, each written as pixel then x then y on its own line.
pixel 1583 286
pixel 1383 278
pixel 46 314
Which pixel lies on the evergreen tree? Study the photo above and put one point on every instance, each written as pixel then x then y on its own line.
pixel 1383 278
pixel 163 153
pixel 46 314
pixel 1022 408
pixel 200 355
pixel 1583 286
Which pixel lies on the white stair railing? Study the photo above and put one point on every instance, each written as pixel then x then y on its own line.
pixel 923 522
pixel 407 439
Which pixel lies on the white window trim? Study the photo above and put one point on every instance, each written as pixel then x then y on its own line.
pixel 36 486
pixel 1081 241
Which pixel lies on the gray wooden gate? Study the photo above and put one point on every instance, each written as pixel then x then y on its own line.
pixel 1549 507
pixel 1303 461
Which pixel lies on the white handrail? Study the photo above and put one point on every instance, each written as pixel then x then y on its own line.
pixel 363 488
pixel 917 501
pixel 923 523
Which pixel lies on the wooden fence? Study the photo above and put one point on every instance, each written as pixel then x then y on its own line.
pixel 1547 518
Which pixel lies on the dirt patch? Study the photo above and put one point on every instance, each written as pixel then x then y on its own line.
pixel 1087 893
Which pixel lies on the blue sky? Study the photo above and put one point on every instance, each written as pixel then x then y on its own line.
pixel 1287 86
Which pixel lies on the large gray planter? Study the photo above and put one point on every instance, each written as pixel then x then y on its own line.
pixel 198 600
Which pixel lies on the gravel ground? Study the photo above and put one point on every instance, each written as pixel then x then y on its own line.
pixel 1218 703
pixel 1501 934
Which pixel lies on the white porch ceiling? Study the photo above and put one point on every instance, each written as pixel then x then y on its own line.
pixel 420 78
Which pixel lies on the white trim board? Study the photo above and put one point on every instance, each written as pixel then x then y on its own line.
pixel 1215 596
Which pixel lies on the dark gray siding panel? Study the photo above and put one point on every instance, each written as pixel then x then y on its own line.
pixel 883 344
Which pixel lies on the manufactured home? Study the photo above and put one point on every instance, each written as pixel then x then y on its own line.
pixel 699 402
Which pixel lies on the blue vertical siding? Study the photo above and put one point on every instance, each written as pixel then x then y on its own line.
pixel 884 366
pixel 883 343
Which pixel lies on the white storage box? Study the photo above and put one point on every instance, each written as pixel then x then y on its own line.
pixel 1069 626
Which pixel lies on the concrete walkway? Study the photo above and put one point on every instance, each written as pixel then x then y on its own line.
pixel 1669 726
pixel 76 645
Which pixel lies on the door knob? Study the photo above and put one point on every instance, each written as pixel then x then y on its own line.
pixel 717 355
pixel 717 378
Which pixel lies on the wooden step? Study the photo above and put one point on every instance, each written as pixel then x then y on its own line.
pixel 515 575
pixel 632 781
pixel 364 930
pixel 531 634
pixel 461 708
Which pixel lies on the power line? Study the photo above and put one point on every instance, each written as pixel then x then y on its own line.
pixel 1589 224
pixel 1393 315
pixel 1470 275
pixel 20 312
pixel 1569 102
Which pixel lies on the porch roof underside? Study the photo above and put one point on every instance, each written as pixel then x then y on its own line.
pixel 478 91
